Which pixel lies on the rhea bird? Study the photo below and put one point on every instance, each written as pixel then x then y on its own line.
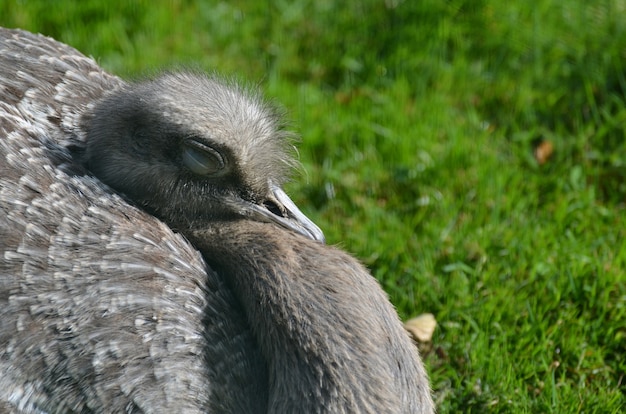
pixel 151 262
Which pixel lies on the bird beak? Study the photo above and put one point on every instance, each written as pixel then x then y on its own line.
pixel 289 215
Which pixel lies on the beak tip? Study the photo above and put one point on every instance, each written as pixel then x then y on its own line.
pixel 318 235
pixel 293 218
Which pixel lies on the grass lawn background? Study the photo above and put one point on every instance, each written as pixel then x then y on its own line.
pixel 420 125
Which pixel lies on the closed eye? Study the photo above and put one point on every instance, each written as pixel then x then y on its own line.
pixel 202 159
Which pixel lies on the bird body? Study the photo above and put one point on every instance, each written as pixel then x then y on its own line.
pixel 150 262
pixel 103 308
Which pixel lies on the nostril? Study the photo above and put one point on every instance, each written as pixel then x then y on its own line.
pixel 274 208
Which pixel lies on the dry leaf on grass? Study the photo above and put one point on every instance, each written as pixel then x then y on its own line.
pixel 422 327
pixel 544 151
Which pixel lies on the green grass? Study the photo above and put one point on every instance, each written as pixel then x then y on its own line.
pixel 418 124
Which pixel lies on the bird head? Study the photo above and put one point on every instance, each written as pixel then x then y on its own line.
pixel 193 148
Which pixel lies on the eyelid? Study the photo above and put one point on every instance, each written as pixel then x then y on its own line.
pixel 193 161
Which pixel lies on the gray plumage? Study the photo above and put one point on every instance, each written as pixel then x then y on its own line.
pixel 105 308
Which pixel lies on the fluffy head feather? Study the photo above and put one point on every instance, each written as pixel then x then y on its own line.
pixel 140 137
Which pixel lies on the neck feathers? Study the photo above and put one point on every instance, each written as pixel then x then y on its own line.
pixel 330 337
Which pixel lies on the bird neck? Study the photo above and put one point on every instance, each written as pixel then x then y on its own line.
pixel 330 337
